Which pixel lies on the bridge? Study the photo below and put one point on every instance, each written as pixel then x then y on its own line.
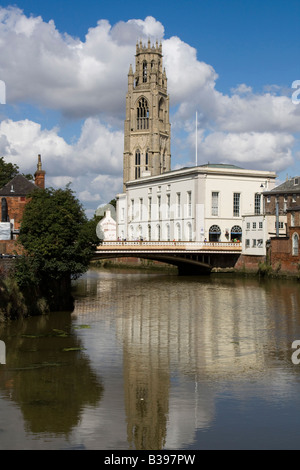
pixel 191 258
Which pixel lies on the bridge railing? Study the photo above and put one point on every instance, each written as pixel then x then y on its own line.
pixel 170 245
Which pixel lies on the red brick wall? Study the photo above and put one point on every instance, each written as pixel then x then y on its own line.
pixel 15 208
pixel 281 253
pixel 249 263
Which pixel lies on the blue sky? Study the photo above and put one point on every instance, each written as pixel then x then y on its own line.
pixel 65 67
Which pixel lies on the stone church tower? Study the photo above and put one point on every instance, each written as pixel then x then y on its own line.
pixel 147 130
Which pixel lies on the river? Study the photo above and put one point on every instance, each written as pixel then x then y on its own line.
pixel 155 361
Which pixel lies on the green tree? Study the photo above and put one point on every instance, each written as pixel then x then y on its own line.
pixel 59 242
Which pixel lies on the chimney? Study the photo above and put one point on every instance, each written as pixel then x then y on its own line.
pixel 39 175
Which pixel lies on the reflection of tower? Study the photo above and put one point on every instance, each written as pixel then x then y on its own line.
pixel 146 384
pixel 147 129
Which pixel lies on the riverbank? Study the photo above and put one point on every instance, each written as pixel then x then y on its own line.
pixel 262 270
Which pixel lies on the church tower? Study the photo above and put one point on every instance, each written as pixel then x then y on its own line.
pixel 147 130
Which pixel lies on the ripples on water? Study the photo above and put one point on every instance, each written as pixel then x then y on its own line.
pixel 154 361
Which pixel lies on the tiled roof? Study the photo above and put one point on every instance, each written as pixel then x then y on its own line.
pixel 18 186
pixel 291 185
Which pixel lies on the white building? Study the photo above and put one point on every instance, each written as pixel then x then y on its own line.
pixel 193 204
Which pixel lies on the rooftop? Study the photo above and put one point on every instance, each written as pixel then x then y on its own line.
pixel 18 186
pixel 291 185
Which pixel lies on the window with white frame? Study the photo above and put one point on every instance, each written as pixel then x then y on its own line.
pixel 178 202
pixel 295 246
pixel 292 219
pixel 214 203
pixel 236 204
pixel 189 203
pixel 159 207
pixel 141 208
pixel 149 207
pixel 168 206
pixel 257 199
pixel 168 232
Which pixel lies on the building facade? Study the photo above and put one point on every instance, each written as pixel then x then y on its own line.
pixel 284 252
pixel 192 204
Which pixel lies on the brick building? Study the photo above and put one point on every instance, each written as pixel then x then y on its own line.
pixel 13 198
pixel 281 199
pixel 283 252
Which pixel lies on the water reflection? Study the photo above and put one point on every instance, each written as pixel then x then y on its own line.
pixel 47 375
pixel 184 340
pixel 165 363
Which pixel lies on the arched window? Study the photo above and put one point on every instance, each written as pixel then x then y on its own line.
pixel 236 232
pixel 137 164
pixel 144 71
pixel 214 233
pixel 142 114
pixel 295 242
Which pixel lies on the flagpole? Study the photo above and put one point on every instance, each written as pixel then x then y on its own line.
pixel 196 141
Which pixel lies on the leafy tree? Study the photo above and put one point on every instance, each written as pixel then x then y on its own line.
pixel 59 242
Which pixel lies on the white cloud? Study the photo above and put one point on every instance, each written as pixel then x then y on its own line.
pixel 94 161
pixel 253 150
pixel 79 78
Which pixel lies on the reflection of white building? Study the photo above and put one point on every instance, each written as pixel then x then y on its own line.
pixel 204 202
pixel 188 204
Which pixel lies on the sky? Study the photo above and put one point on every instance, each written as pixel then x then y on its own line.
pixel 65 64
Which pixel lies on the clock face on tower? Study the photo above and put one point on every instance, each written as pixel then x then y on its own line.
pixel 147 130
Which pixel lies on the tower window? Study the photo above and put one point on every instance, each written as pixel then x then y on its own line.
pixel 137 164
pixel 144 71
pixel 142 115
pixel 146 160
pixel 161 109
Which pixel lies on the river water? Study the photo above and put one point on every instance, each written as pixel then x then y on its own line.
pixel 155 361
